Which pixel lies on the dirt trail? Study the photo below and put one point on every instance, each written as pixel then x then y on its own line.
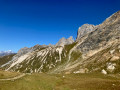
pixel 14 78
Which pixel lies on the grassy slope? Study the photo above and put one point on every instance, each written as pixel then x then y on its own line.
pixel 7 74
pixel 57 82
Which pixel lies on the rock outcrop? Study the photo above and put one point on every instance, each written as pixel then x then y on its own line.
pixel 84 30
pixel 105 35
pixel 64 41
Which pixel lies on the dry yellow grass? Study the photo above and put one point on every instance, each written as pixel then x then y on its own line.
pixel 43 81
pixel 7 74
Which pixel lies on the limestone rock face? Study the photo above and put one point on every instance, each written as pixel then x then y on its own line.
pixel 111 20
pixel 105 34
pixel 99 46
pixel 85 29
pixel 25 50
pixel 63 41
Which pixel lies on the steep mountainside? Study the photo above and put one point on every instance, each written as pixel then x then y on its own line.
pixel 5 59
pixel 96 49
pixel 42 59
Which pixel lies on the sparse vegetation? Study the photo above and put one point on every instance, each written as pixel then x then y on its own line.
pixel 43 81
pixel 75 55
pixel 70 46
pixel 7 74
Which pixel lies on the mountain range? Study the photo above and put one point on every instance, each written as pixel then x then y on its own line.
pixel 96 49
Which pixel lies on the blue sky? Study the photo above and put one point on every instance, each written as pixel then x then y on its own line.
pixel 25 23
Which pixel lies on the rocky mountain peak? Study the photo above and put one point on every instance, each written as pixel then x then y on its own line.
pixel 23 51
pixel 38 47
pixel 63 41
pixel 50 45
pixel 70 39
pixel 85 29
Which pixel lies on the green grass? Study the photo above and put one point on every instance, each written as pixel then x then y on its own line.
pixel 75 55
pixel 70 46
pixel 57 82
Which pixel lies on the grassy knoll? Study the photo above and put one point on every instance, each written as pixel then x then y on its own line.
pixel 62 82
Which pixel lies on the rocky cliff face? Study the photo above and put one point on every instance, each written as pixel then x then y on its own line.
pixel 105 35
pixel 100 48
pixel 25 50
pixel 97 49
pixel 84 30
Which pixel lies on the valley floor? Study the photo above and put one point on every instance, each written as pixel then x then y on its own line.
pixel 41 81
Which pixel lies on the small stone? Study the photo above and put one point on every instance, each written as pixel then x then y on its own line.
pixel 112 51
pixel 119 46
pixel 63 76
pixel 85 70
pixel 111 67
pixel 113 84
pixel 104 72
pixel 114 58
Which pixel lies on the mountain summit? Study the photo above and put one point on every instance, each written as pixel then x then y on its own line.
pixel 85 29
pixel 64 41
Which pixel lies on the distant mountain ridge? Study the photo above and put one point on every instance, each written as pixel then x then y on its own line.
pixel 4 53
